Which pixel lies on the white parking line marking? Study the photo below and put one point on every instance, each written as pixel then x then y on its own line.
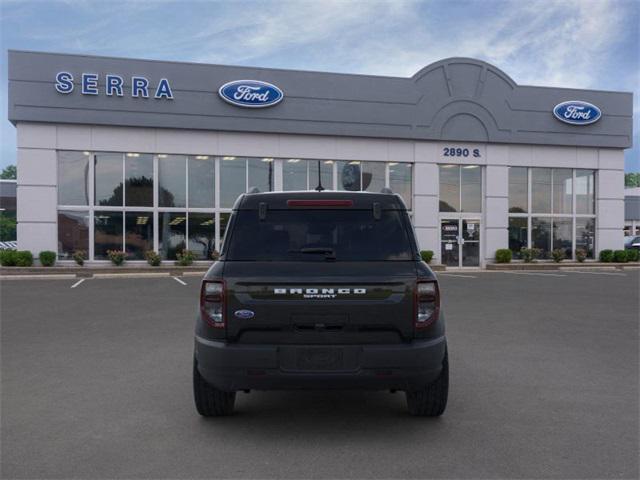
pixel 178 280
pixel 78 283
pixel 598 273
pixel 455 275
pixel 538 274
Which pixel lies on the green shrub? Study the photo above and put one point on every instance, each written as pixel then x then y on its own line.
pixel 633 255
pixel 8 258
pixel 558 255
pixel 527 254
pixel 606 256
pixel 581 254
pixel 503 255
pixel 215 255
pixel 153 258
pixel 24 258
pixel 79 256
pixel 426 255
pixel 47 258
pixel 117 257
pixel 185 258
pixel 620 256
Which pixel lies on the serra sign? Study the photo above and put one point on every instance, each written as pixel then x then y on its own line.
pixel 113 85
pixel 577 112
pixel 250 93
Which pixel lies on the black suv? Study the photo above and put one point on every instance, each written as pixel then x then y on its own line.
pixel 320 290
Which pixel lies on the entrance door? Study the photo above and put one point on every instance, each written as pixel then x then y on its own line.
pixel 460 242
pixel 449 236
pixel 470 243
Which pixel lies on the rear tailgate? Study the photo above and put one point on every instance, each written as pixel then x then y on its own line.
pixel 319 302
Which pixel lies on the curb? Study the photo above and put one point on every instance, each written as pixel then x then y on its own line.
pixel 561 266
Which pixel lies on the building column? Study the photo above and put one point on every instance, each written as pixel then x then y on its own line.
pixel 610 200
pixel 496 210
pixel 36 194
pixel 425 200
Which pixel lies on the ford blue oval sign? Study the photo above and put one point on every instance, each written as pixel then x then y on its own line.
pixel 244 314
pixel 251 93
pixel 577 112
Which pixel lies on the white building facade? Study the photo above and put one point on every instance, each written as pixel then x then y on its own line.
pixel 482 164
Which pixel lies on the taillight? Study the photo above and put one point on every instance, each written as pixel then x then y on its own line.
pixel 212 303
pixel 427 303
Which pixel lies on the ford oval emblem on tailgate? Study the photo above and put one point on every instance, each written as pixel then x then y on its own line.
pixel 244 314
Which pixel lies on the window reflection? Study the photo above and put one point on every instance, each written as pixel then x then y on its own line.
pixel 400 181
pixel 326 174
pixel 202 234
pixel 585 192
pixel 107 233
pixel 471 188
pixel 541 190
pixel 201 182
pixel 517 235
pixel 260 173
pixel 518 190
pixel 373 176
pixel 562 190
pixel 233 180
pixel 108 179
pixel 294 174
pixel 172 188
pixel 138 170
pixel 172 227
pixel 541 235
pixel 138 234
pixel 562 235
pixel 73 233
pixel 449 188
pixel 73 178
pixel 585 235
pixel 349 176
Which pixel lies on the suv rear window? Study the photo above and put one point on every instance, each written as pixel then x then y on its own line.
pixel 319 235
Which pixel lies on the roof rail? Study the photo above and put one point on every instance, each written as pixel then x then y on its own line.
pixel 386 190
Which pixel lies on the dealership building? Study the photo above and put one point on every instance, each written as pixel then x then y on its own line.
pixel 140 155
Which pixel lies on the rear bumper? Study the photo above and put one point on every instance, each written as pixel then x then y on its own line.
pixel 232 367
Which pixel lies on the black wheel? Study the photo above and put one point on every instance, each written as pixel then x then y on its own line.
pixel 211 402
pixel 432 401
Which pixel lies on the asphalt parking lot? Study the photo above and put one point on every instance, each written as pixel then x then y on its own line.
pixel 96 383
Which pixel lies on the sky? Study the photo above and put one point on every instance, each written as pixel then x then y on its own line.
pixel 560 43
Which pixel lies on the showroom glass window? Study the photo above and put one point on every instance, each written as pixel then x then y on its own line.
pixel 553 208
pixel 460 188
pixel 73 232
pixel 400 181
pixel 138 202
pixel 108 175
pixel 172 179
pixel 73 178
pixel 138 175
pixel 326 174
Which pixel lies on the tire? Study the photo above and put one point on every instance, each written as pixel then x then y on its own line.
pixel 211 402
pixel 431 401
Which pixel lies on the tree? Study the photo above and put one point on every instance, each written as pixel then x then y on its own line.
pixel 9 173
pixel 632 180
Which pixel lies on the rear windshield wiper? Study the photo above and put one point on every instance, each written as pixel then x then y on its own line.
pixel 329 252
